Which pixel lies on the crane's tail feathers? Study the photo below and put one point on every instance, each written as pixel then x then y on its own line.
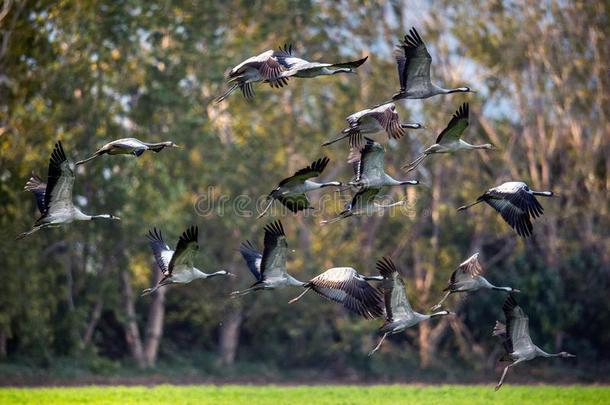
pixel 336 139
pixel 226 94
pixel 80 162
pixel 292 301
pixel 411 166
pixel 464 207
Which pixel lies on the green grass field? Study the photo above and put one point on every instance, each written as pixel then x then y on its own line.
pixel 235 394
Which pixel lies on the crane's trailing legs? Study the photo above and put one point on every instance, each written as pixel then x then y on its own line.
pixel 299 296
pixel 463 207
pixel 266 208
pixel 28 233
pixel 151 290
pixel 378 344
pixel 437 306
pixel 504 373
pixel 231 89
pixel 411 166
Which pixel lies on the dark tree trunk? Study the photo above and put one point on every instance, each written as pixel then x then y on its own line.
pixel 229 336
pixel 154 324
pixel 132 333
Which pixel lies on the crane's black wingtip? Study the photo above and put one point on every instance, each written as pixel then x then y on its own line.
pixel 191 234
pixel 510 303
pixel 275 228
pixel 154 235
pixel 386 267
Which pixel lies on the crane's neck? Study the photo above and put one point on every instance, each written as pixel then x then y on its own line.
pixel 340 70
pixel 295 282
pixel 312 185
pixel 439 313
pixel 201 274
pixel 543 193
pixel 81 216
pixel 489 285
pixel 456 90
pixel 507 289
pixel 331 184
pixel 390 181
pixel 412 126
pixel 542 353
pixel 380 206
pixel 377 278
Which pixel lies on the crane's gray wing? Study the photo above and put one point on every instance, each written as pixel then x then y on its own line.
pixel 390 121
pixel 162 252
pixel 186 249
pixel 345 286
pixel 295 202
pixel 60 180
pixel 354 158
pixel 394 291
pixel 273 262
pixel 517 326
pixel 363 198
pixel 466 271
pixel 413 61
pixel 457 125
pixel 313 170
pixel 252 257
pixel 38 187
pixel 268 67
pixel 372 163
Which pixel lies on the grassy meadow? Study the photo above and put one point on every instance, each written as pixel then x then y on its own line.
pixel 251 395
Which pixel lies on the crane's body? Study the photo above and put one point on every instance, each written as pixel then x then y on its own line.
pixel 263 67
pixel 291 192
pixel 129 146
pixel 345 286
pixel 467 278
pixel 54 198
pixel 515 336
pixel 399 314
pixel 516 203
pixel 369 168
pixel 382 118
pixel 363 204
pixel 413 62
pixel 269 267
pixel 177 266
pixel 298 67
pixel 449 140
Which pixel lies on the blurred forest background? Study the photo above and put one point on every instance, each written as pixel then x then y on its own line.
pixel 90 72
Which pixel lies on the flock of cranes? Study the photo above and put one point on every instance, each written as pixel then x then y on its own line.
pixel 514 200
